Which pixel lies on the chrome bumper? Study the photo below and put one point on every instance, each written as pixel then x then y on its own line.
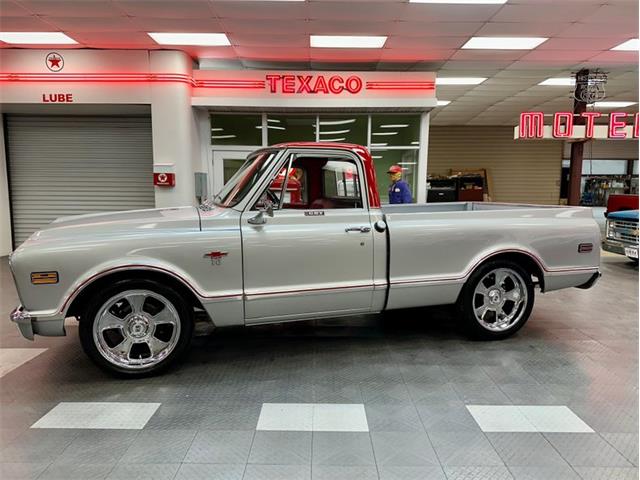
pixel 37 323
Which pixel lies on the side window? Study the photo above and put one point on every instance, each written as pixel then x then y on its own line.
pixel 341 184
pixel 288 189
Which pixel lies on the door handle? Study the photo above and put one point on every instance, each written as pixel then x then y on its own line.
pixel 358 229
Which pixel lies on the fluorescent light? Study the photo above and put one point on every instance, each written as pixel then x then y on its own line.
pixel 460 80
pixel 469 2
pixel 559 82
pixel 217 129
pixel 407 163
pixel 272 127
pixel 273 120
pixel 395 125
pixel 220 137
pixel 612 104
pixel 628 46
pixel 203 39
pixel 36 38
pixel 332 139
pixel 376 156
pixel 384 133
pixel 335 132
pixel 379 144
pixel 347 41
pixel 504 43
pixel 443 103
pixel 337 122
pixel 415 143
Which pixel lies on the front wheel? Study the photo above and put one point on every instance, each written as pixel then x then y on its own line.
pixel 496 300
pixel 135 328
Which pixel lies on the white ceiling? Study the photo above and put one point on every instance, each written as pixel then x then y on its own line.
pixel 275 35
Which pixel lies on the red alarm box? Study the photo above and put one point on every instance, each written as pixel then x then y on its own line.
pixel 164 179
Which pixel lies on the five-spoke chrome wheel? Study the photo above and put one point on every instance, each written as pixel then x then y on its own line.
pixel 136 329
pixel 499 299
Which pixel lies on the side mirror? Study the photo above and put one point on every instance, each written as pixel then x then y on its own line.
pixel 265 207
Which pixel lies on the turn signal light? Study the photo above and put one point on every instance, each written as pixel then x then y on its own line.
pixel 41 278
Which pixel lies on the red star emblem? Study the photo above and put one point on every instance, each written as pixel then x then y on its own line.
pixel 55 62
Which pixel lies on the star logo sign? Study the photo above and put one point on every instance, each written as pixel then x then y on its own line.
pixel 54 62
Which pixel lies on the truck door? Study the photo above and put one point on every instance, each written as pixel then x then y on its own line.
pixel 314 257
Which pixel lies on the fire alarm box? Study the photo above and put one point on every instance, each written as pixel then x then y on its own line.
pixel 164 179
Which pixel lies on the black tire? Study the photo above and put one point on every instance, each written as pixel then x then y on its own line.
pixel 468 301
pixel 97 302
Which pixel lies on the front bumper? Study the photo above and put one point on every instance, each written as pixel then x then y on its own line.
pixel 48 324
pixel 614 246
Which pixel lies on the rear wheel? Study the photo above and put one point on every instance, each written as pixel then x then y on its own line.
pixel 497 300
pixel 136 327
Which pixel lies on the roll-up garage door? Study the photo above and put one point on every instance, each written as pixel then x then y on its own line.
pixel 74 165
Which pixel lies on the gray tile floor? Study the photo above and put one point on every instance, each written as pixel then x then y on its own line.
pixel 412 370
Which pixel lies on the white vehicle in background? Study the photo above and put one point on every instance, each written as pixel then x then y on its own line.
pixel 263 251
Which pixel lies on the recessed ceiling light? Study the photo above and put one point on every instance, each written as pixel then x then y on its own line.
pixel 384 133
pixel 442 103
pixel 612 104
pixel 36 38
pixel 628 46
pixel 201 39
pixel 559 82
pixel 460 80
pixel 504 43
pixel 470 2
pixel 395 125
pixel 347 41
pixel 272 127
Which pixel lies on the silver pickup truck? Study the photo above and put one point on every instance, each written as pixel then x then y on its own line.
pixel 298 233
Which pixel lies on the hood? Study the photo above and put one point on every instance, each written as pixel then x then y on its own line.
pixel 629 215
pixel 99 224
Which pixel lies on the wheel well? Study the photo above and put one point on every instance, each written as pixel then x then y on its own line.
pixel 79 303
pixel 525 261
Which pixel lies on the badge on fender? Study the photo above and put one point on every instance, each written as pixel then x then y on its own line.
pixel 216 257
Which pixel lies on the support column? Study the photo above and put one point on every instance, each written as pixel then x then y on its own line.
pixel 173 127
pixel 5 207
pixel 423 157
pixel 577 148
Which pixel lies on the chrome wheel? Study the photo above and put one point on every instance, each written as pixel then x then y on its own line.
pixel 136 329
pixel 499 299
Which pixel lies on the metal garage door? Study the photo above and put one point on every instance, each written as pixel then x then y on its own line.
pixel 73 165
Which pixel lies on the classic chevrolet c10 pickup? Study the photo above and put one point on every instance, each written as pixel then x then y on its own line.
pixel 297 233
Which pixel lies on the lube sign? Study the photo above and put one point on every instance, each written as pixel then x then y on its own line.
pixel 334 84
pixel 564 126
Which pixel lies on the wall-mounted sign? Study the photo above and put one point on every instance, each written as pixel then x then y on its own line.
pixel 164 179
pixel 57 98
pixel 532 126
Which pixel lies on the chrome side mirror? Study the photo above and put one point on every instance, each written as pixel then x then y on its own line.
pixel 266 207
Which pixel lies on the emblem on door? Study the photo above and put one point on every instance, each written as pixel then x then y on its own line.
pixel 216 257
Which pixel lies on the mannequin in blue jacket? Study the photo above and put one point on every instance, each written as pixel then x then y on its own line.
pixel 399 191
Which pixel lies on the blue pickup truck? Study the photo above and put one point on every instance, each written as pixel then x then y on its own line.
pixel 621 234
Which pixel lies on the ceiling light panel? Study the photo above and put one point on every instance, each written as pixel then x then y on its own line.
pixel 559 82
pixel 612 104
pixel 460 80
pixel 36 38
pixel 199 39
pixel 628 46
pixel 347 41
pixel 504 43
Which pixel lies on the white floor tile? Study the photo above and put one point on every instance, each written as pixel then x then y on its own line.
pixel 557 418
pixel 99 415
pixel 12 358
pixel 318 417
pixel 334 417
pixel 527 418
pixel 286 416
pixel 500 418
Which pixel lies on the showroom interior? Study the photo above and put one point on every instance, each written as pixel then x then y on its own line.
pixel 128 105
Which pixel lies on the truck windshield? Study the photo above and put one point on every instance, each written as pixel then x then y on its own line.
pixel 242 182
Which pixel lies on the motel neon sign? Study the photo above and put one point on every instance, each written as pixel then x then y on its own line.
pixel 564 126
